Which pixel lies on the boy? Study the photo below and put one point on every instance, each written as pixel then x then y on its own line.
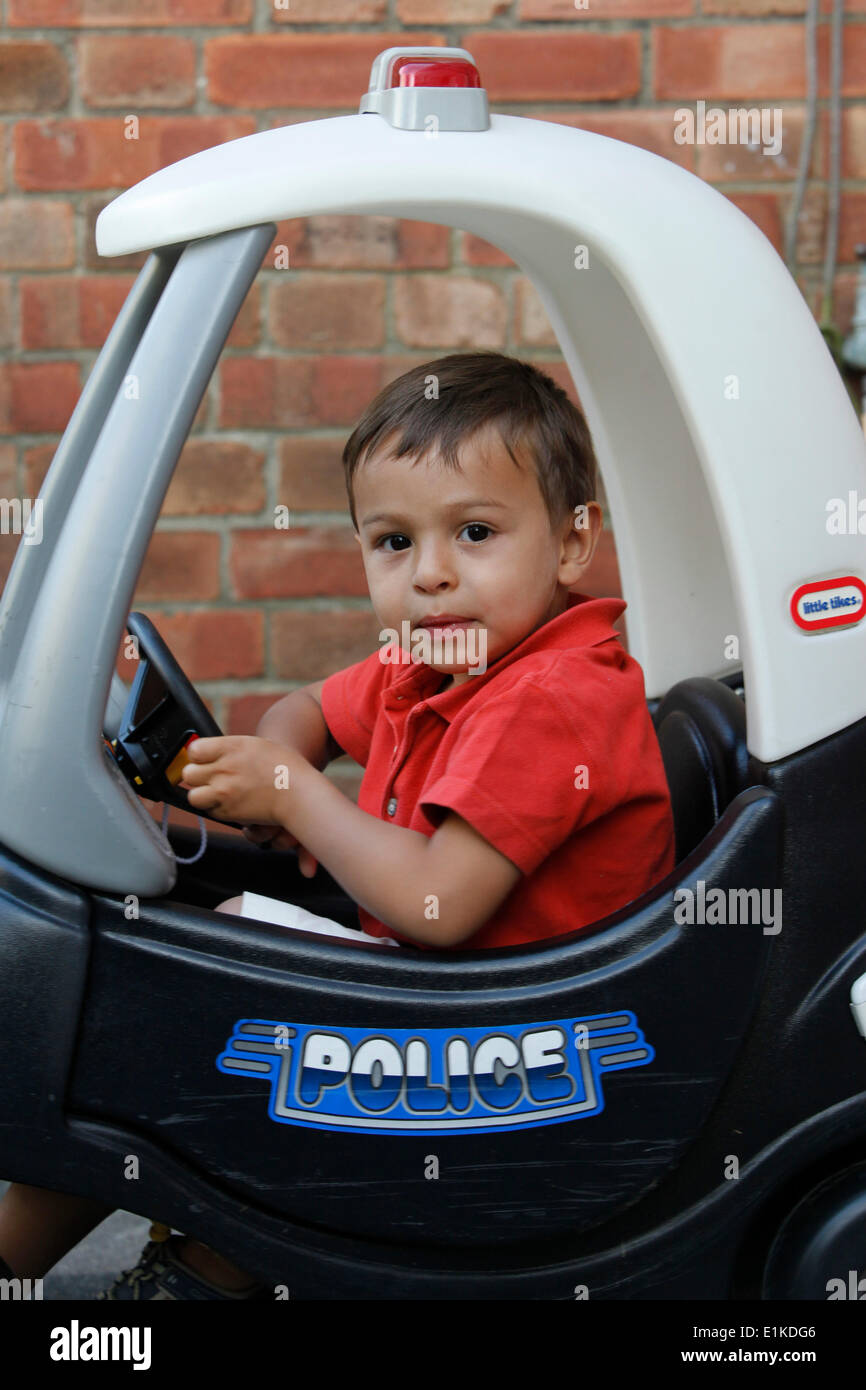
pixel 513 787
pixel 512 804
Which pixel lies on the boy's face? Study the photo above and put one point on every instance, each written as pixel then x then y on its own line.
pixel 475 544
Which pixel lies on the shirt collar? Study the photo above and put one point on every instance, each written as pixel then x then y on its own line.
pixel 586 622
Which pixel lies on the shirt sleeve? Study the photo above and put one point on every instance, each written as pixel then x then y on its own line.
pixel 522 774
pixel 351 700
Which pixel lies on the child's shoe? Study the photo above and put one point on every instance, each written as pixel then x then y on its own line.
pixel 161 1274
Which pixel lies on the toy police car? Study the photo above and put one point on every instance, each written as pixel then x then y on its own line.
pixel 668 1104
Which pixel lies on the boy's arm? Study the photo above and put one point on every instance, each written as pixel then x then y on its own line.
pixel 297 721
pixel 436 890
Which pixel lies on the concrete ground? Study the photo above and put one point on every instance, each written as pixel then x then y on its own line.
pixel 95 1262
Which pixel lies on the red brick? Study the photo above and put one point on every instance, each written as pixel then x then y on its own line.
pixel 9 472
pixel 311 474
pixel 33 76
pixel 853 61
pixel 37 461
pixel 854 142
pixel 290 393
pixel 763 209
pixel 36 234
pixel 328 12
pixel 319 70
pixel 649 130
pixel 449 311
pixel 343 387
pixel 534 10
pixel 737 62
pixel 39 396
pixel 852 223
pixel 126 14
pixel 8 546
pixel 531 324
pixel 123 69
pixel 765 62
pixel 247 328
pixel 303 561
pixel 95 153
pixel 215 644
pixel 569 67
pixel 244 712
pixel 181 136
pixel 744 163
pixel 242 716
pixel 8 488
pixel 421 246
pixel 451 11
pixel 396 364
pixel 62 312
pixel 328 311
pixel 308 646
pixel 6 426
pixel 265 392
pixel 762 7
pixel 214 477
pixel 475 251
pixel 347 241
pixel 7 317
pixel 180 565
pixel 752 7
pixel 50 313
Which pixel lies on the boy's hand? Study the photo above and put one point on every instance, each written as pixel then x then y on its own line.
pixel 264 835
pixel 239 778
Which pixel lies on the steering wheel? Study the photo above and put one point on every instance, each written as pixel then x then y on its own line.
pixel 164 712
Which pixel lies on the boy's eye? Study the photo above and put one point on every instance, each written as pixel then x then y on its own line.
pixel 477 526
pixel 380 544
pixel 398 536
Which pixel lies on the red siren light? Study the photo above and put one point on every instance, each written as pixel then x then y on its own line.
pixel 433 72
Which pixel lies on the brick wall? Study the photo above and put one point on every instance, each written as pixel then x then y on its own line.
pixel 251 611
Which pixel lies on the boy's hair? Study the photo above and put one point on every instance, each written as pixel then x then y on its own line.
pixel 475 389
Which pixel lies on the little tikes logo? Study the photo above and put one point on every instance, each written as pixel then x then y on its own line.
pixel 435 1080
pixel 829 603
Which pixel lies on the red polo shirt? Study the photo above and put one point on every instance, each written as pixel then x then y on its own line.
pixel 550 754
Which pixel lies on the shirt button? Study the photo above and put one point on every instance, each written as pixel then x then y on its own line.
pixel 392 806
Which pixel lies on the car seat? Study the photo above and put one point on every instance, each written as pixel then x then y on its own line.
pixel 701 729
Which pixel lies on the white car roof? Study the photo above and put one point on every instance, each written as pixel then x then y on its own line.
pixel 721 424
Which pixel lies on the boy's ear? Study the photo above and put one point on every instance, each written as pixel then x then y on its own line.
pixel 579 541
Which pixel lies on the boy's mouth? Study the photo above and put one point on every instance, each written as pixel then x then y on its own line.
pixel 446 620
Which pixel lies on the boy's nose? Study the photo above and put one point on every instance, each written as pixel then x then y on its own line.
pixel 433 567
